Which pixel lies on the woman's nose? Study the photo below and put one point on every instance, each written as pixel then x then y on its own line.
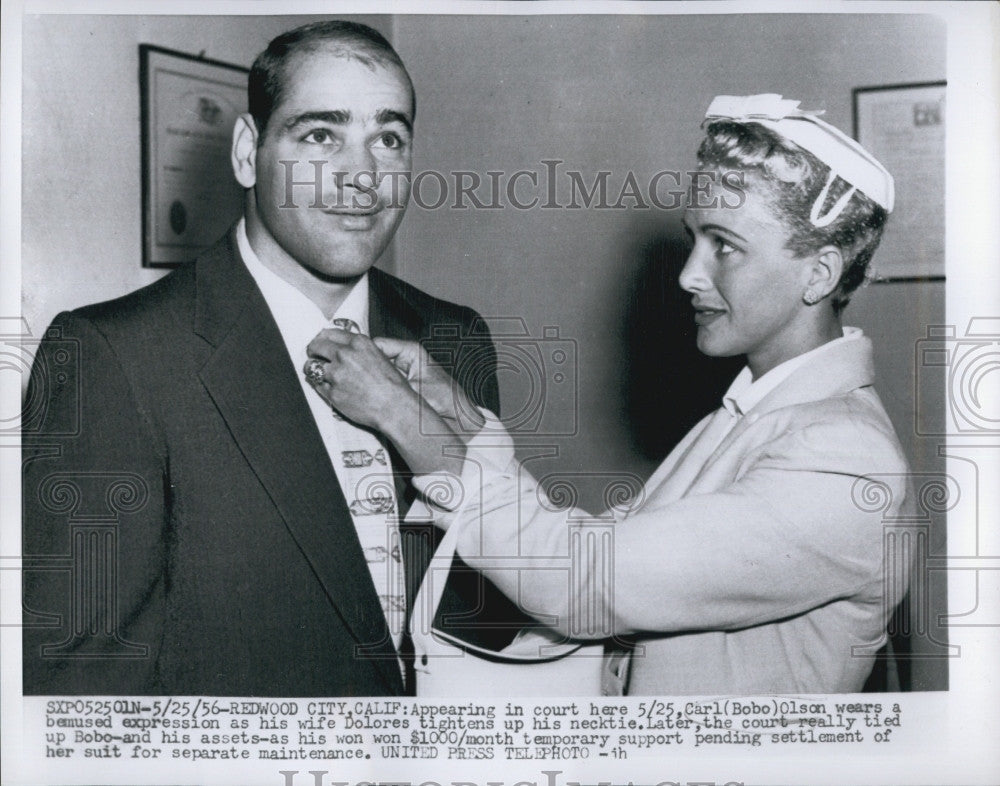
pixel 694 275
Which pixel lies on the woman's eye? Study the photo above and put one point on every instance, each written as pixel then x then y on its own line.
pixel 722 248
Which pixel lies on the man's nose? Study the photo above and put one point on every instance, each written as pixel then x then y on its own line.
pixel 357 164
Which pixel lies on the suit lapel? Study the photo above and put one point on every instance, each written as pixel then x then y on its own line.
pixel 252 382
pixel 390 314
pixel 471 608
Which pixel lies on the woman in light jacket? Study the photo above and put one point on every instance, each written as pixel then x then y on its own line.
pixel 754 561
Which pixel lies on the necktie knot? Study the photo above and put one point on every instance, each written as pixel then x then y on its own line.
pixel 342 323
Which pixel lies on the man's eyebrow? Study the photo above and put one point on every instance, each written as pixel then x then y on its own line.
pixel 385 116
pixel 341 117
pixel 336 117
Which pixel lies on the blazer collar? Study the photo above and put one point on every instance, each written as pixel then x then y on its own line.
pixel 223 289
pixel 839 370
pixel 843 367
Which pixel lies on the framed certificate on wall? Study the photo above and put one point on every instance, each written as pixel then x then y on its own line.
pixel 903 126
pixel 189 194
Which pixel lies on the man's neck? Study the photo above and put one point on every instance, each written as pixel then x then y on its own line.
pixel 327 294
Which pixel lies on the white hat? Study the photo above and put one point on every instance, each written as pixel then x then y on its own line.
pixel 845 157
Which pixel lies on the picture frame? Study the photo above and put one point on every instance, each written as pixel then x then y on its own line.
pixel 903 126
pixel 189 196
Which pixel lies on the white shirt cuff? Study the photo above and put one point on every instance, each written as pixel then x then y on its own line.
pixel 490 453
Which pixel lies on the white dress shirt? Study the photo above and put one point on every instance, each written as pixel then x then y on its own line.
pixel 744 393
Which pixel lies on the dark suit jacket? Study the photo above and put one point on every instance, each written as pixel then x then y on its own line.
pixel 184 531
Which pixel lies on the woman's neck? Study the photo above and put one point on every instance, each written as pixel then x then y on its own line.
pixel 819 329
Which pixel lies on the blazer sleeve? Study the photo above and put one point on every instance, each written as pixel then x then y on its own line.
pixel 786 536
pixel 95 528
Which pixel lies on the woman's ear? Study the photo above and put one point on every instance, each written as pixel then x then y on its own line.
pixel 825 271
pixel 244 152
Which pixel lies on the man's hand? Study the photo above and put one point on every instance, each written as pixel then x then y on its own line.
pixel 359 381
pixel 430 381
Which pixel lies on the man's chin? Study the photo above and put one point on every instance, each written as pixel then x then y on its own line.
pixel 339 274
pixel 338 266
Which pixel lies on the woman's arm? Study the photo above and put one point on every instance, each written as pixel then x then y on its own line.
pixel 787 536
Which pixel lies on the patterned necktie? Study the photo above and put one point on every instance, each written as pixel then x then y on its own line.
pixel 350 326
pixel 365 474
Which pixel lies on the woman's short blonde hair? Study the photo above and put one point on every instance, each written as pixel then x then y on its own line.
pixel 794 178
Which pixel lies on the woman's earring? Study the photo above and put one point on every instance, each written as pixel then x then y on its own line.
pixel 810 297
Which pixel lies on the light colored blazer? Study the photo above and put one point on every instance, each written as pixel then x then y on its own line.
pixel 762 573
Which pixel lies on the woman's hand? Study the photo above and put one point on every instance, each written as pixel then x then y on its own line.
pixel 359 381
pixel 366 386
pixel 432 383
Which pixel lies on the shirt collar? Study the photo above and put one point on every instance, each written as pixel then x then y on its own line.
pixel 297 317
pixel 745 393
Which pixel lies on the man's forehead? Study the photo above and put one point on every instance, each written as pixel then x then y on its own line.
pixel 347 77
pixel 342 59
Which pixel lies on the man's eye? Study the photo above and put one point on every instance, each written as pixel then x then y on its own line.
pixel 318 136
pixel 389 140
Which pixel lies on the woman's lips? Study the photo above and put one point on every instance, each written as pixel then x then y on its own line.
pixel 704 315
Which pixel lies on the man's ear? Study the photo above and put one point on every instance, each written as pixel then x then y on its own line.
pixel 825 270
pixel 244 152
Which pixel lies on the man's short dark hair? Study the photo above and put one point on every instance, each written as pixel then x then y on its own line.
pixel 267 76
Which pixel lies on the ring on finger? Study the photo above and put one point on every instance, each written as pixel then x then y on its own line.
pixel 315 371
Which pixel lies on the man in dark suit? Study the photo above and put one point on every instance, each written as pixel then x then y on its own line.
pixel 187 529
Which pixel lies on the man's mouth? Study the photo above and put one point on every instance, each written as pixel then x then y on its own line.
pixel 349 210
pixel 359 219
